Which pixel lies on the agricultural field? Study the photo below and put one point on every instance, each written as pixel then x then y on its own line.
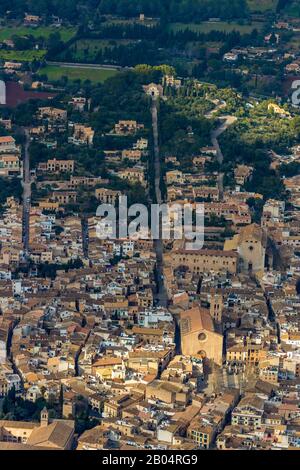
pixel 22 56
pixel 208 26
pixel 55 72
pixel 87 49
pixel 43 31
pixel 115 20
pixel 260 6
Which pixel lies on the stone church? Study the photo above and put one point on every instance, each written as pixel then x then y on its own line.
pixel 199 335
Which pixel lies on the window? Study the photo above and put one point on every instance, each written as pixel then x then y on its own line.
pixel 202 336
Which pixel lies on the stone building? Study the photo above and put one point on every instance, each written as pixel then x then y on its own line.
pixel 199 336
pixel 21 435
pixel 198 261
pixel 251 246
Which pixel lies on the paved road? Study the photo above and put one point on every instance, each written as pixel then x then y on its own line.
pixel 161 297
pixel 87 66
pixel 154 114
pixel 218 107
pixel 226 122
pixel 26 192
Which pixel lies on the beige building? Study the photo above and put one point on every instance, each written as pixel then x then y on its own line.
pixel 108 368
pixel 249 354
pixel 133 175
pixel 249 411
pixel 242 173
pixel 18 435
pixel 174 176
pixel 116 405
pixel 77 181
pixel 250 244
pixel 78 103
pixel 127 127
pixel 9 165
pixel 48 205
pixel 234 212
pixel 107 196
pixel 60 165
pixel 53 114
pixel 32 19
pixel 82 135
pixel 167 392
pixel 202 433
pixel 204 260
pixel 216 306
pixel 7 144
pixel 198 335
pixel 13 65
pixel 153 90
pixel 170 80
pixel 149 362
pixel 132 155
pixel 206 192
pixel 140 144
pixel 64 197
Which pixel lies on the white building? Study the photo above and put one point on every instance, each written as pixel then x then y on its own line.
pixel 150 318
pixel 7 144
pixel 2 93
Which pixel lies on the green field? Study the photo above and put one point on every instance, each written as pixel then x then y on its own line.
pixel 22 56
pixel 115 20
pixel 207 27
pixel 7 33
pixel 55 73
pixel 87 49
pixel 261 6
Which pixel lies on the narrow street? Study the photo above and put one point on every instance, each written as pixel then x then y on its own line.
pixel 9 352
pixel 26 192
pixel 77 355
pixel 157 175
pixel 272 317
pixel 85 237
pixel 161 297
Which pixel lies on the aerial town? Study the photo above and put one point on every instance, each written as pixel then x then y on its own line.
pixel 130 343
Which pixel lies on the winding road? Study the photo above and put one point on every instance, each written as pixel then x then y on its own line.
pixel 227 121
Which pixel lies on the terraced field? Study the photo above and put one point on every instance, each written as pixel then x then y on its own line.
pixel 209 26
